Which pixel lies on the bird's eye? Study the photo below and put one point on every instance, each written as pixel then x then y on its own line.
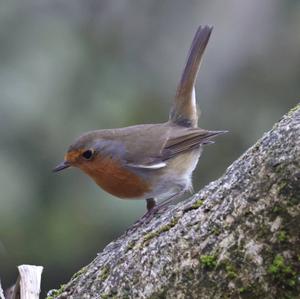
pixel 88 154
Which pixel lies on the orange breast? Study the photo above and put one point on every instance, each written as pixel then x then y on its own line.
pixel 114 179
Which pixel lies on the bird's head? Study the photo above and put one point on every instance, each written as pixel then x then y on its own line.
pixel 81 152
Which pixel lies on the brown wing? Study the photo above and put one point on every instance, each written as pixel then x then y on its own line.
pixel 189 141
pixel 149 146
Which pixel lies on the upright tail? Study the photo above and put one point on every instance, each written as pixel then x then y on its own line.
pixel 184 111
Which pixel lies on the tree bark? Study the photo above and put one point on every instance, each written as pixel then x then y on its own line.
pixel 239 237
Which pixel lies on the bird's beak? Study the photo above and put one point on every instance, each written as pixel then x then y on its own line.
pixel 61 166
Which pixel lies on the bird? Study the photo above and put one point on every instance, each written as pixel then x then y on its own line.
pixel 149 161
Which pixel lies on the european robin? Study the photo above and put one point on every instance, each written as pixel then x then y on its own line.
pixel 150 160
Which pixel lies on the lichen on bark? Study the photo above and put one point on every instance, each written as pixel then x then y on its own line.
pixel 238 237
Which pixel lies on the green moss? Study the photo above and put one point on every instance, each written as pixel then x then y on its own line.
pixel 198 203
pixel 168 226
pixel 54 293
pixel 296 108
pixel 150 236
pixel 208 261
pixel 104 272
pixel 162 229
pixel 130 245
pixel 282 273
pixel 277 265
pixel 282 236
pixel 229 268
pixel 231 271
pixel 216 231
pixel 78 273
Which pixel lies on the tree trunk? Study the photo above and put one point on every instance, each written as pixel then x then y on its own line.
pixel 239 237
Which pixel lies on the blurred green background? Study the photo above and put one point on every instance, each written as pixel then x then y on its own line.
pixel 72 66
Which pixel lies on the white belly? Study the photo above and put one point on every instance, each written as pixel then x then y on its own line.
pixel 176 176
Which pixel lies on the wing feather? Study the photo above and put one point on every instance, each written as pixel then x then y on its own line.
pixel 188 142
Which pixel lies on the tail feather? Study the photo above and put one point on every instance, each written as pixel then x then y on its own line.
pixel 184 111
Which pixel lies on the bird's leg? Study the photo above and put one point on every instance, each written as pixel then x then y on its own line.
pixel 151 203
pixel 153 208
pixel 168 200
